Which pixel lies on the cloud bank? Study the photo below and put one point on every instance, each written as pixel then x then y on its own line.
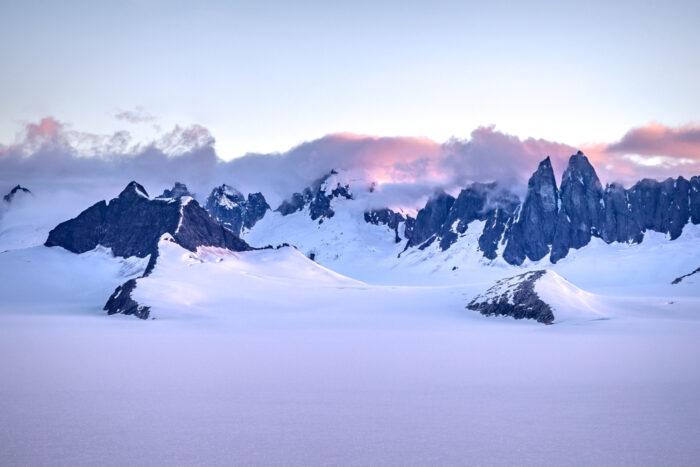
pixel 50 155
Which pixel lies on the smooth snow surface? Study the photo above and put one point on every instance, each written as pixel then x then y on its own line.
pixel 362 358
pixel 568 302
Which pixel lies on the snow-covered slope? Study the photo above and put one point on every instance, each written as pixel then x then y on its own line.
pixel 569 302
pixel 219 282
pixel 541 295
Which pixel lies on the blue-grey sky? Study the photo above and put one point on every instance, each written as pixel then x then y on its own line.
pixel 265 75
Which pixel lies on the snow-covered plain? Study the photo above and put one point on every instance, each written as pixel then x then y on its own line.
pixel 268 358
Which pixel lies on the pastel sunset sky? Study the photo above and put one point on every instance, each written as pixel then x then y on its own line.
pixel 414 82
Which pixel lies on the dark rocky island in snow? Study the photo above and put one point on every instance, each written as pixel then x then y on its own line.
pixel 514 297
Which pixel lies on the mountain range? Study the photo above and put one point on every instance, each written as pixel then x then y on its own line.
pixel 484 229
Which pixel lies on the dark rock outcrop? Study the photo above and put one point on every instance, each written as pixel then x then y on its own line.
pixel 317 197
pixel 532 234
pixel 586 210
pixel 444 218
pixel 179 190
pixel 132 225
pixel 498 218
pixel 387 217
pixel 14 192
pixel 678 280
pixel 122 302
pixel 661 206
pixel 256 207
pixel 581 210
pixel 233 211
pixel 694 199
pixel 619 223
pixel 514 297
pixel 430 220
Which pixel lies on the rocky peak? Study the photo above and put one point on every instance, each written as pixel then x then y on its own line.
pixel 233 211
pixel 533 232
pixel 132 224
pixel 318 197
pixel 133 191
pixel 18 189
pixel 179 190
pixel 430 220
pixel 581 207
pixel 391 219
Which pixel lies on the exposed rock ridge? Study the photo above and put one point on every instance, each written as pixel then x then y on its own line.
pixel 678 280
pixel 391 219
pixel 514 297
pixel 132 225
pixel 586 210
pixel 444 218
pixel 14 191
pixel 317 197
pixel 179 190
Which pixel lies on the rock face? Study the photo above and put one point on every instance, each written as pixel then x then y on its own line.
pixel 532 235
pixel 233 211
pixel 619 222
pixel 317 198
pixel 514 297
pixel 14 192
pixel 694 200
pixel 431 220
pixel 444 218
pixel 132 225
pixel 387 217
pixel 582 209
pixel 121 302
pixel 179 190
pixel 662 206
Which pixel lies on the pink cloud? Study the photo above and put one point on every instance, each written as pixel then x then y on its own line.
pixel 656 139
pixel 651 151
pixel 407 169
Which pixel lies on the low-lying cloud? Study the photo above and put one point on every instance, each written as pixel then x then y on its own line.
pixel 49 155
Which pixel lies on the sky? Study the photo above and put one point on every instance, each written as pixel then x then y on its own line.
pixel 264 76
pixel 414 82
